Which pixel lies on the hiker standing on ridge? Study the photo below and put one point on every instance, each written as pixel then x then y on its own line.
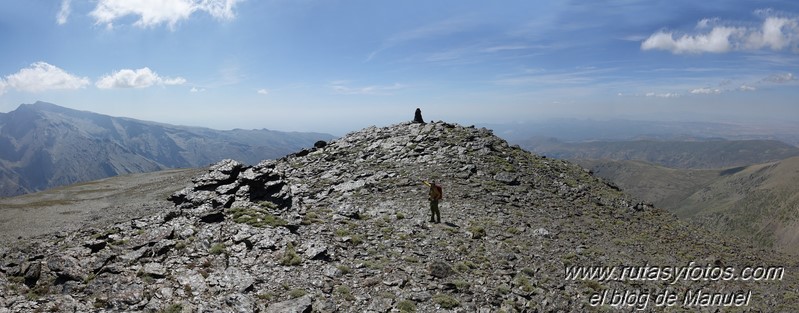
pixel 434 196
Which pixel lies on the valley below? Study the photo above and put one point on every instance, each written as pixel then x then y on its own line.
pixel 96 203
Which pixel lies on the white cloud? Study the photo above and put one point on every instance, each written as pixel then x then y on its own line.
pixel 706 91
pixel 340 88
pixel 155 12
pixel 663 95
pixel 776 33
pixel 63 14
pixel 41 76
pixel 263 91
pixel 747 88
pixel 140 78
pixel 173 81
pixel 195 89
pixel 3 86
pixel 707 22
pixel 717 41
pixel 779 78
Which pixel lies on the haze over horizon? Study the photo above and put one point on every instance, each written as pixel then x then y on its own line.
pixel 338 66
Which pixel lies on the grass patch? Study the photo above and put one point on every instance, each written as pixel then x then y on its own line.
pixel 290 256
pixel 256 217
pixel 343 269
pixel 477 231
pixel 411 259
pixel 341 232
pixel 406 306
pixel 524 283
pixel 503 289
pixel 461 285
pixel 296 293
pixel 593 285
pixel 465 266
pixel 446 301
pixel 217 249
pixel 266 296
pixel 173 308
pixel 345 293
pixel 180 245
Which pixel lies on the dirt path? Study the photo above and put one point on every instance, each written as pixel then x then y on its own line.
pixel 96 203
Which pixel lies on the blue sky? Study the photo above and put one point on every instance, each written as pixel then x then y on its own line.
pixel 337 66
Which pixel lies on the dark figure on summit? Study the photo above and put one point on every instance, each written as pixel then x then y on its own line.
pixel 417 117
pixel 434 196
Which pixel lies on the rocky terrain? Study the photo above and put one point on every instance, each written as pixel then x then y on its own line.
pixel 43 145
pixel 343 227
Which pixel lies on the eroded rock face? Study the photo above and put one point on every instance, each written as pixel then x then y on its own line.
pixel 342 227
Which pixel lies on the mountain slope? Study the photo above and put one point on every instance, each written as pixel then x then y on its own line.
pixel 664 187
pixel 344 229
pixel 758 202
pixel 704 154
pixel 43 145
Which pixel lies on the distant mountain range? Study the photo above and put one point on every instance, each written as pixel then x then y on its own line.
pixel 694 154
pixel 582 130
pixel 43 145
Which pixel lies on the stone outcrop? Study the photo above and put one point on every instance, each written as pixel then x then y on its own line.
pixel 417 116
pixel 341 227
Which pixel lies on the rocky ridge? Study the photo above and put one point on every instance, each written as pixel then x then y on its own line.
pixel 343 227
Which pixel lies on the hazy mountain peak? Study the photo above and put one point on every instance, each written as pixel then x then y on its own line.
pixel 43 145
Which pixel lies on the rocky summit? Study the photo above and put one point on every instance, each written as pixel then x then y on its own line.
pixel 343 227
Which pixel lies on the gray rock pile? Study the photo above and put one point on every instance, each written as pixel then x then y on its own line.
pixel 342 227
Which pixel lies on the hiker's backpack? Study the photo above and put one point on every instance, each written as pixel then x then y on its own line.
pixel 440 192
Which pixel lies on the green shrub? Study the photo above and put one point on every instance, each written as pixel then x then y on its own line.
pixel 406 306
pixel 256 217
pixel 217 248
pixel 345 293
pixel 296 293
pixel 343 269
pixel 477 231
pixel 173 308
pixel 446 301
pixel 290 256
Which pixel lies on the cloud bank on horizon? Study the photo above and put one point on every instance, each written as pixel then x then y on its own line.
pixel 309 65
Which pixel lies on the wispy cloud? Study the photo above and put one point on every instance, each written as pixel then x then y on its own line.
pixel 776 32
pixel 440 29
pixel 63 13
pixel 747 88
pixel 340 87
pixel 42 76
pixel 780 78
pixel 263 91
pixel 195 89
pixel 706 91
pixel 140 78
pixel 152 13
pixel 663 95
pixel 578 76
